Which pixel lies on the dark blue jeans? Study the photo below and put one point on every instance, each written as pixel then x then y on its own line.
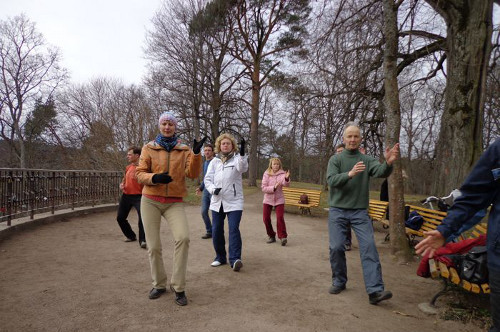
pixel 127 202
pixel 338 223
pixel 205 205
pixel 233 221
pixel 494 276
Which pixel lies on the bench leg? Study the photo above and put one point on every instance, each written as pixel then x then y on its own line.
pixel 305 211
pixel 441 292
pixel 411 240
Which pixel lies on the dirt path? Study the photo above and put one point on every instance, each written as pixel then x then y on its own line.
pixel 81 276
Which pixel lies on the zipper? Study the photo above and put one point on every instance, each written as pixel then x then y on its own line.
pixel 234 189
pixel 168 170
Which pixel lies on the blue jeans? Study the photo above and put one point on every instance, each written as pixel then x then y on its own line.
pixel 233 220
pixel 494 282
pixel 205 205
pixel 338 222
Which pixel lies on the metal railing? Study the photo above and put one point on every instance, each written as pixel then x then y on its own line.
pixel 26 192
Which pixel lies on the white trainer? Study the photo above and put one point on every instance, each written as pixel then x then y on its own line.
pixel 216 263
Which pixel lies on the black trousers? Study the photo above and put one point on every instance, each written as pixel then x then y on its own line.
pixel 126 204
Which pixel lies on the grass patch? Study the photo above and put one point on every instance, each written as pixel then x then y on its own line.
pixel 463 311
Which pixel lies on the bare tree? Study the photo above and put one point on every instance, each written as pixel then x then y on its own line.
pixel 29 70
pixel 264 30
pixel 102 119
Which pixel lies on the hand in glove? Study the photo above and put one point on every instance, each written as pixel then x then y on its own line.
pixel 198 144
pixel 162 178
pixel 217 191
pixel 242 147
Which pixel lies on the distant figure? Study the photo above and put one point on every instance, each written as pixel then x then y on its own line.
pixel 348 177
pixel 480 189
pixel 164 165
pixel 273 181
pixel 384 191
pixel 208 151
pixel 131 197
pixel 224 181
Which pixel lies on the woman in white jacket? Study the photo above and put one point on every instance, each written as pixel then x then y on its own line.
pixel 223 180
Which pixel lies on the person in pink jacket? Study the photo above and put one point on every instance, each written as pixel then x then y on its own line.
pixel 272 183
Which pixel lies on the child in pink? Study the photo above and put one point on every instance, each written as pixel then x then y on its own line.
pixel 272 183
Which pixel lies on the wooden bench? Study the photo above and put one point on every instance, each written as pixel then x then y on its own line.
pixel 450 274
pixel 377 211
pixel 432 218
pixel 292 197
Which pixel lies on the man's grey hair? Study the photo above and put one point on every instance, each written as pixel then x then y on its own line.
pixel 351 124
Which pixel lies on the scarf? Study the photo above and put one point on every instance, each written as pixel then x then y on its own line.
pixel 226 156
pixel 168 143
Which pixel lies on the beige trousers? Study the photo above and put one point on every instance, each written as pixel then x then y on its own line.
pixel 151 212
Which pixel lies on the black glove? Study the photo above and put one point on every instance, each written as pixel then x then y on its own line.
pixel 242 147
pixel 162 178
pixel 198 144
pixel 217 191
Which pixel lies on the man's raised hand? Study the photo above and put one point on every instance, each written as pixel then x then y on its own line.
pixel 391 154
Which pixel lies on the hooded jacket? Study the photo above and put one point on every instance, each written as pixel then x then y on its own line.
pixel 226 176
pixel 180 163
pixel 479 190
pixel 272 197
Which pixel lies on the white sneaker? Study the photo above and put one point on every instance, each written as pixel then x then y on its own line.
pixel 216 263
pixel 238 264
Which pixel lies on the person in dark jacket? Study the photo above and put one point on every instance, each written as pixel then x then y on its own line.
pixel 480 190
pixel 206 197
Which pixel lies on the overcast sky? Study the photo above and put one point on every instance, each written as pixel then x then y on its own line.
pixel 96 37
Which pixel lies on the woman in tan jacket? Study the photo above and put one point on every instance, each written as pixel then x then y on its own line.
pixel 163 167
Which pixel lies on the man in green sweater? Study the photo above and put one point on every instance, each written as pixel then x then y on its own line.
pixel 348 178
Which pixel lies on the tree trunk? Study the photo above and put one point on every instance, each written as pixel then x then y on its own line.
pixel 216 106
pixel 468 44
pixel 254 125
pixel 399 244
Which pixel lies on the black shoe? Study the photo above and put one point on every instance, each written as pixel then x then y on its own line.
pixel 180 297
pixel 143 245
pixel 347 247
pixel 130 240
pixel 336 289
pixel 379 296
pixel 156 293
pixel 237 265
pixel 271 240
pixel 207 236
